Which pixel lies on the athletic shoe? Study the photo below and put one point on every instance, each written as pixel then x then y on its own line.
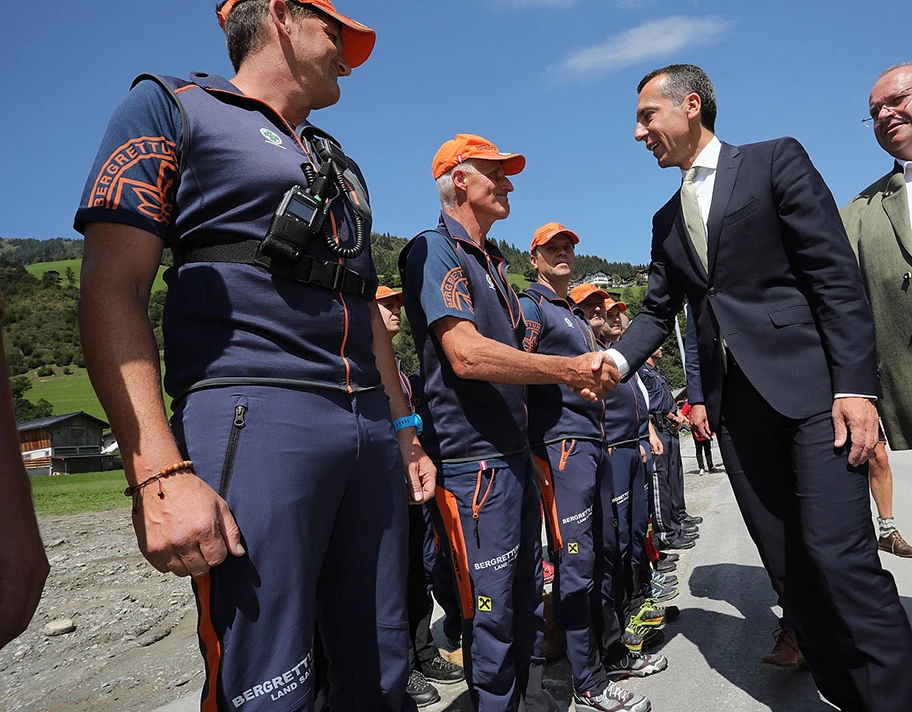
pixel 668 556
pixel 420 690
pixel 662 593
pixel 442 671
pixel 613 699
pixel 650 614
pixel 664 567
pixel 701 471
pixel 663 579
pixel 548 571
pixel 636 636
pixel 690 529
pixel 687 519
pixel 690 535
pixel 636 665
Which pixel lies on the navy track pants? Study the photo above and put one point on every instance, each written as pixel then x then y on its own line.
pixel 315 481
pixel 579 474
pixel 492 519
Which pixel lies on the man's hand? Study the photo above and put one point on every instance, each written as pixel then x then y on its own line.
pixel 699 423
pixel 420 473
pixel 858 416
pixel 23 564
pixel 593 375
pixel 189 531
pixel 655 443
pixel 643 454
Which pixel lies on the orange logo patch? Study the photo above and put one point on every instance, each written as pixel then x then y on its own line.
pixel 530 342
pixel 119 174
pixel 455 290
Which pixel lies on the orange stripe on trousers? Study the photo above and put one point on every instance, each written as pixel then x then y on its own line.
pixel 549 505
pixel 449 512
pixel 211 643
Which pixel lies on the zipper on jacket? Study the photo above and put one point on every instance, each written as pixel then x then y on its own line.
pixel 240 420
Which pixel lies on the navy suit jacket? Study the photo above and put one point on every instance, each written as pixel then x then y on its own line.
pixel 783 287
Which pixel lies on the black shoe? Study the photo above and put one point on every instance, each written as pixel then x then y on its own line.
pixel 668 556
pixel 690 536
pixel 665 567
pixel 687 519
pixel 443 671
pixel 420 690
pixel 691 529
pixel 681 543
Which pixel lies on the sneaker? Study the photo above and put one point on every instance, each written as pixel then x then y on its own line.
pixel 612 699
pixel 651 614
pixel 690 528
pixel 636 636
pixel 420 690
pixel 785 653
pixel 668 556
pixel 687 519
pixel 672 613
pixel 548 571
pixel 662 593
pixel 665 567
pixel 701 471
pixel 636 665
pixel 442 671
pixel 663 579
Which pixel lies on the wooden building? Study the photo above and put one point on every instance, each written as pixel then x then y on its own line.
pixel 64 444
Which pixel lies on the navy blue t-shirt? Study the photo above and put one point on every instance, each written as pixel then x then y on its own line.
pixel 467 423
pixel 227 321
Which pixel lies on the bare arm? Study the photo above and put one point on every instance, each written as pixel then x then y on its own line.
pixel 477 357
pixel 191 529
pixel 23 563
pixel 420 471
pixel 655 442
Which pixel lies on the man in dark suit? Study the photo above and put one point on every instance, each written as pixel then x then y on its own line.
pixel 755 243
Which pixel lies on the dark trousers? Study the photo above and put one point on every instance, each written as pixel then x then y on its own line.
pixel 493 521
pixel 322 513
pixel 580 475
pixel 421 561
pixel 631 508
pixel 808 511
pixel 666 514
pixel 703 450
pixel 676 475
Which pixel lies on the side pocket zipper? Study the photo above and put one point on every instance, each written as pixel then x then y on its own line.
pixel 240 420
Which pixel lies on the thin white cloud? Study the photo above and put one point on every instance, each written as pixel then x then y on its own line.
pixel 537 3
pixel 649 41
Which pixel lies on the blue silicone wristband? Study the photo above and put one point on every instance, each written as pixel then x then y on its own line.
pixel 409 421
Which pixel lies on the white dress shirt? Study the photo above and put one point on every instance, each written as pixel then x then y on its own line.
pixel 907 174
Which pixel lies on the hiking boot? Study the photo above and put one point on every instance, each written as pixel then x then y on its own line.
pixel 786 652
pixel 663 580
pixel 420 690
pixel 442 671
pixel 650 614
pixel 636 665
pixel 636 636
pixel 612 699
pixel 895 544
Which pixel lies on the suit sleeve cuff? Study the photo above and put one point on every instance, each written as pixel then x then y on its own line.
pixel 620 362
pixel 854 395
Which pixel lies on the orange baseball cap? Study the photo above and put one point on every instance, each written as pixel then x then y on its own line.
pixel 466 146
pixel 549 230
pixel 609 303
pixel 384 292
pixel 357 39
pixel 581 292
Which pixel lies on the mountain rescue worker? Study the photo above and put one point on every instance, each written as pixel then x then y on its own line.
pixel 629 512
pixel 425 661
pixel 468 329
pixel 566 435
pixel 671 529
pixel 280 489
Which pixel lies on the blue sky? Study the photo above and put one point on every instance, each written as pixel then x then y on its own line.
pixel 554 79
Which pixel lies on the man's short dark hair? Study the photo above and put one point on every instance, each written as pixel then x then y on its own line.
pixel 684 79
pixel 245 24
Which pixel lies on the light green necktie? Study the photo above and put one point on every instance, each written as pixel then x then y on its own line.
pixel 693 218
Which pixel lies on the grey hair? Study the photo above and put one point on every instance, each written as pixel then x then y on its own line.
pixel 901 65
pixel 445 188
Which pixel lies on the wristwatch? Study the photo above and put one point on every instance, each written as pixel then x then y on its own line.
pixel 409 421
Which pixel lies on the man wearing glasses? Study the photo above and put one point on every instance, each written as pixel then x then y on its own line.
pixel 879 224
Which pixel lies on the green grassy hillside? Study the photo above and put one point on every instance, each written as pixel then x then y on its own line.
pixel 39 268
pixel 75 494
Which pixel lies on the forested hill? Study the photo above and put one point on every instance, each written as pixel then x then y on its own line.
pixel 28 250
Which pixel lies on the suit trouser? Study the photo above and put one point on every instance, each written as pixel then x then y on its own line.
pixel 808 511
pixel 631 509
pixel 421 557
pixel 492 519
pixel 315 482
pixel 667 524
pixel 580 474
